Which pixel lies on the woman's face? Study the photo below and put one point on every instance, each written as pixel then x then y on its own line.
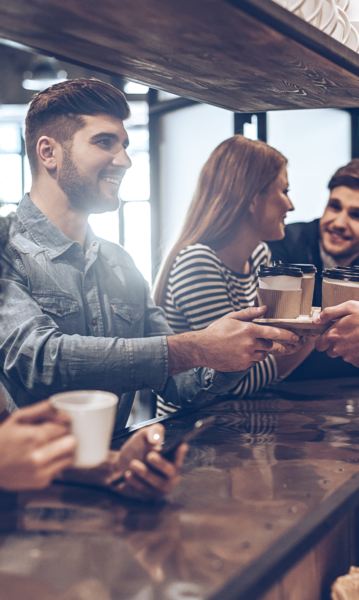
pixel 271 208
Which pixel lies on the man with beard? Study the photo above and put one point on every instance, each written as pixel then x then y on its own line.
pixel 326 242
pixel 77 314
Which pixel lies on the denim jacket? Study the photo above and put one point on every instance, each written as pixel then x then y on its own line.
pixel 75 318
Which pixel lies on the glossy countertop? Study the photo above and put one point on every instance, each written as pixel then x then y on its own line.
pixel 258 489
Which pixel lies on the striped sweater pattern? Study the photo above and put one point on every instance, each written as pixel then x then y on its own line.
pixel 201 289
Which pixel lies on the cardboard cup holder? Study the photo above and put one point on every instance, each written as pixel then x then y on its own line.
pixel 334 294
pixel 307 295
pixel 281 304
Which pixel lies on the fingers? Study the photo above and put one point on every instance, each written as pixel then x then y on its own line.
pixel 247 314
pixel 60 449
pixel 155 435
pixel 263 344
pixel 41 411
pixel 322 343
pixel 336 312
pixel 46 432
pixel 275 333
pixel 155 478
pixel 180 455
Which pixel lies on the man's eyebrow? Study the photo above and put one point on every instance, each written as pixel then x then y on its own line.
pixel 112 136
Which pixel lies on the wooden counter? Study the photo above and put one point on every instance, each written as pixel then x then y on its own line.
pixel 265 509
pixel 244 55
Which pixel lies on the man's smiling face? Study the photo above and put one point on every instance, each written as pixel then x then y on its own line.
pixel 339 226
pixel 94 164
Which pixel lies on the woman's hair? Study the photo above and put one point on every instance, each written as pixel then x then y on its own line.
pixel 237 170
pixel 347 176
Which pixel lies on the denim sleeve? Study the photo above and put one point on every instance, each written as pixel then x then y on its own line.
pixel 38 359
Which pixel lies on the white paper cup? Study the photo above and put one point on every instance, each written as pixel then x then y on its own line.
pixel 280 282
pixel 92 415
pixel 335 291
pixel 308 283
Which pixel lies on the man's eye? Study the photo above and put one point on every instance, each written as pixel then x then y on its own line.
pixel 104 142
pixel 286 191
pixel 333 206
pixel 354 215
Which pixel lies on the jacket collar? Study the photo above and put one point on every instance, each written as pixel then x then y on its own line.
pixel 44 232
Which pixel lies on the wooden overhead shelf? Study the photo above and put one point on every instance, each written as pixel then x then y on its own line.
pixel 243 55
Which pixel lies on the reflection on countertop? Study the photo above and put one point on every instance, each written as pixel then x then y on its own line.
pixel 248 480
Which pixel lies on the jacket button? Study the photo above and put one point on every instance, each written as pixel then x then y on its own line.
pixel 58 309
pixel 94 321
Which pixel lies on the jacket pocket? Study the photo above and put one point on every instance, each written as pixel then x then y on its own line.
pixel 56 303
pixel 127 318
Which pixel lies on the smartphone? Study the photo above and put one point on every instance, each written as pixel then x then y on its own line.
pixel 169 450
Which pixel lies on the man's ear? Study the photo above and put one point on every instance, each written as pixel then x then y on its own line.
pixel 48 151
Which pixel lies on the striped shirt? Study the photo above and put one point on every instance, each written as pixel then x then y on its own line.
pixel 201 289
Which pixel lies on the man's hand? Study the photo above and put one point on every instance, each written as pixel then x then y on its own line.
pixel 147 474
pixel 137 470
pixel 286 348
pixel 342 338
pixel 232 343
pixel 35 445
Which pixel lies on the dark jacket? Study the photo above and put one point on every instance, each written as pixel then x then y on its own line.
pixel 301 245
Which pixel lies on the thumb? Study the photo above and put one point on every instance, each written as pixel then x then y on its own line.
pixel 336 312
pixel 155 435
pixel 247 314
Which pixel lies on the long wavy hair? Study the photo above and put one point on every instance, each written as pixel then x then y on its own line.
pixel 236 172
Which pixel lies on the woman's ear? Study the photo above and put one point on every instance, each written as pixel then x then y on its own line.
pixel 253 205
pixel 47 152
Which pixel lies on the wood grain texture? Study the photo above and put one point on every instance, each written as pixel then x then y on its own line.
pixel 211 50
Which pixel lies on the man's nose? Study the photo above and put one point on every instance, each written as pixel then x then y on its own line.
pixel 341 220
pixel 121 159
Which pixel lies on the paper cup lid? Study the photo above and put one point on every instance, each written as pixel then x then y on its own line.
pixel 342 274
pixel 265 271
pixel 305 268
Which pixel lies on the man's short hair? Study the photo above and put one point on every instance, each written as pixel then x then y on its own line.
pixel 57 111
pixel 347 176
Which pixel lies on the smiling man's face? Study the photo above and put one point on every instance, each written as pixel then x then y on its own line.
pixel 339 226
pixel 94 165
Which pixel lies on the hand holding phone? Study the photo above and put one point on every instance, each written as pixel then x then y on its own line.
pixel 169 450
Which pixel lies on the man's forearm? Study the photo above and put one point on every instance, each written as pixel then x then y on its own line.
pixel 184 352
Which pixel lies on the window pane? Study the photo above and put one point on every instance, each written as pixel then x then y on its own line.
pixel 139 115
pixel 250 130
pixel 10 178
pixel 6 209
pixel 135 88
pixel 162 96
pixel 10 140
pixel 137 225
pixel 106 226
pixel 139 139
pixel 136 183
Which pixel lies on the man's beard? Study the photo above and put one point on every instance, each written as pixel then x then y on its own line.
pixel 79 189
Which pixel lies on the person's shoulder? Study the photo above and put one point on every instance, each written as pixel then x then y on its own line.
pixel 115 254
pixel 260 254
pixel 301 227
pixel 195 255
pixel 18 239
